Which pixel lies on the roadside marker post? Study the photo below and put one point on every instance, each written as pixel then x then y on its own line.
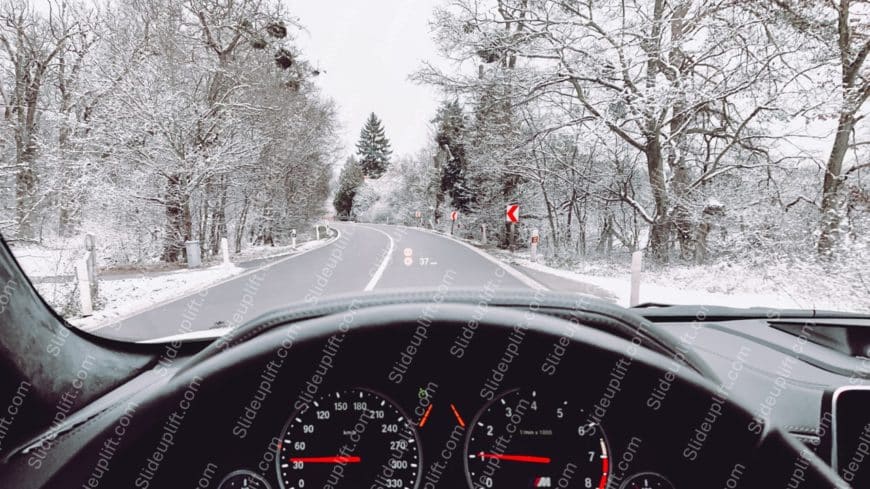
pixel 225 250
pixel 534 244
pixel 91 250
pixel 483 229
pixel 84 287
pixel 194 259
pixel 293 238
pixel 636 265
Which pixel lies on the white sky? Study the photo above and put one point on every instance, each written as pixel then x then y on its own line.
pixel 367 50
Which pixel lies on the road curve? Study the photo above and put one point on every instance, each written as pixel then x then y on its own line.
pixel 365 257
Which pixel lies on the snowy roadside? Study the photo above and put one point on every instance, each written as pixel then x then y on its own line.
pixel 123 294
pixel 258 253
pixel 126 296
pixel 619 286
pixel 784 284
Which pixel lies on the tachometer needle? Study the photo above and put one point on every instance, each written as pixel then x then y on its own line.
pixel 516 458
pixel 337 459
pixel 425 416
pixel 458 417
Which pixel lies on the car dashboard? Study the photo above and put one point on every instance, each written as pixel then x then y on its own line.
pixel 406 397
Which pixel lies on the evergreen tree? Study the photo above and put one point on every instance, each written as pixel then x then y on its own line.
pixel 450 139
pixel 373 148
pixel 349 180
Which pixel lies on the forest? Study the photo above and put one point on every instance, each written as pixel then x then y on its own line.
pixel 150 123
pixel 697 131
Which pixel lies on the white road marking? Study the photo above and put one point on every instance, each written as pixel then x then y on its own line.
pixel 386 261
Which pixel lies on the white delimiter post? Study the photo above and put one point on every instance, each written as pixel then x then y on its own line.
pixel 84 286
pixel 534 245
pixel 225 250
pixel 636 265
pixel 483 228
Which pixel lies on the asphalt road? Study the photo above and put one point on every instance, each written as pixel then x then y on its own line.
pixel 365 257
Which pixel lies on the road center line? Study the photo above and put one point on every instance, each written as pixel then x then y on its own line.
pixel 386 261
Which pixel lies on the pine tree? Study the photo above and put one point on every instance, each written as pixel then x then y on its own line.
pixel 373 148
pixel 449 137
pixel 349 180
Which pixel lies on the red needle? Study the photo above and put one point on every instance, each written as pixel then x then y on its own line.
pixel 516 458
pixel 425 415
pixel 458 417
pixel 338 459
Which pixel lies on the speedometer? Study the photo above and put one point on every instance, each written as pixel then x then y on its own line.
pixel 522 440
pixel 349 439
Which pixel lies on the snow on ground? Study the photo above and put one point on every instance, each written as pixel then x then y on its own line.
pixel 770 284
pixel 124 294
pixel 263 252
pixel 46 261
pixel 127 296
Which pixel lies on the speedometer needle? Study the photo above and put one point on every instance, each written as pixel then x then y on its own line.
pixel 516 458
pixel 337 459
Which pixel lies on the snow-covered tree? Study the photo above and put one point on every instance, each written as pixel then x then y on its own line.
pixel 157 122
pixel 688 86
pixel 349 181
pixel 838 36
pixel 373 148
pixel 449 136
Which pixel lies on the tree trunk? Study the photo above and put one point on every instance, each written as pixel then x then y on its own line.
pixel 605 239
pixel 581 230
pixel 25 182
pixel 659 233
pixel 832 199
pixel 219 218
pixel 240 227
pixel 178 224
pixel 25 148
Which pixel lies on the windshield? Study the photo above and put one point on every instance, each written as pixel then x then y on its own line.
pixel 177 166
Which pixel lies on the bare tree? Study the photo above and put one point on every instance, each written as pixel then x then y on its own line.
pixel 32 46
pixel 664 77
pixel 842 29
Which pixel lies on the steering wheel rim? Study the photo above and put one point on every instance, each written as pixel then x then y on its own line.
pixel 616 320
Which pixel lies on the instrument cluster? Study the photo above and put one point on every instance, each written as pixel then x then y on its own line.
pixel 522 438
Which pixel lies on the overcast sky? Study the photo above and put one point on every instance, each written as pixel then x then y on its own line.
pixel 367 50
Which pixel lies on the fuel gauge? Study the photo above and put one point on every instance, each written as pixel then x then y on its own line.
pixel 647 480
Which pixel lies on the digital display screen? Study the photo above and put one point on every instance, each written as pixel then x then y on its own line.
pixel 851 436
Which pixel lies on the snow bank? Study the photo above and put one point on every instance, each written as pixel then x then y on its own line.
pixel 47 261
pixel 263 252
pixel 125 297
pixel 771 284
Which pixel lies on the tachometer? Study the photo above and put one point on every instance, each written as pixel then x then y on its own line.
pixel 350 438
pixel 522 440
